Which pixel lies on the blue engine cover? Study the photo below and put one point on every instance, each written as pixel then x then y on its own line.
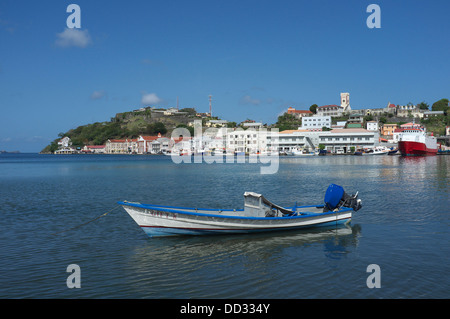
pixel 333 195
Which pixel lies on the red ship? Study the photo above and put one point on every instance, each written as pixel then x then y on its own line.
pixel 414 141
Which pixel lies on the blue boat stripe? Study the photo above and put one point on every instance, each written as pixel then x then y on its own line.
pixel 170 210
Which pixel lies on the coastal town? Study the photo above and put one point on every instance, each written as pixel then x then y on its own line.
pixel 327 129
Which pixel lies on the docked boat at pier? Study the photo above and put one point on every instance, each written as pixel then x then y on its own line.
pixel 300 152
pixel 415 141
pixel 258 215
pixel 379 150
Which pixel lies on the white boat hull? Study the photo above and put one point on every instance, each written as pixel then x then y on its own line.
pixel 169 221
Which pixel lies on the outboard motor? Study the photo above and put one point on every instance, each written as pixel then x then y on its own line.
pixel 336 197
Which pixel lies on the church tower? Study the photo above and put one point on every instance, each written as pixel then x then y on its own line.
pixel 345 102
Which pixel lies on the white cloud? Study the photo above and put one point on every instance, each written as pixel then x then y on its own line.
pixel 247 99
pixel 150 99
pixel 73 38
pixel 96 95
pixel 151 62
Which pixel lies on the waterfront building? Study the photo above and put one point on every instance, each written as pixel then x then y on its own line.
pixel 164 144
pixel 65 142
pixel 65 150
pixel 121 146
pixel 182 145
pixel 65 146
pixel 115 146
pixel 94 149
pixel 316 122
pixel 289 140
pixel 336 140
pixel 248 141
pixel 132 146
pixel 348 140
pixel 144 145
pixel 155 147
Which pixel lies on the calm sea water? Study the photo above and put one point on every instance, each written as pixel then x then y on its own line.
pixel 403 227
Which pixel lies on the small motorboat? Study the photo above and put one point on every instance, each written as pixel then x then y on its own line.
pixel 393 151
pixel 300 152
pixel 258 215
pixel 379 150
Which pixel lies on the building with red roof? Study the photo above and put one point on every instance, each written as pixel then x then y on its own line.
pixel 299 113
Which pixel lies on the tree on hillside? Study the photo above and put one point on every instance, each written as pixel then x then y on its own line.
pixel 423 106
pixel 313 108
pixel 441 105
pixel 368 117
pixel 189 128
pixel 156 128
pixel 287 122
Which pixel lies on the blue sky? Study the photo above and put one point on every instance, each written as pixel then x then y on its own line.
pixel 256 58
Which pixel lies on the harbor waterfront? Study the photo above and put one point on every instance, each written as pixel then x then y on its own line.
pixel 51 206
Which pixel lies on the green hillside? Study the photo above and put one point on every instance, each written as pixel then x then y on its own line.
pixel 125 125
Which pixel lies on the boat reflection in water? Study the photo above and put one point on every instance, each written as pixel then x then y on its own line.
pixel 252 249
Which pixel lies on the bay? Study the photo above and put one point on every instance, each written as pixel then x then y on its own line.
pixel 403 227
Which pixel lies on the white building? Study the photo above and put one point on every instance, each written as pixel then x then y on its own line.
pixel 331 110
pixel 65 146
pixel 336 140
pixel 316 122
pixel 254 125
pixel 121 146
pixel 347 139
pixel 409 111
pixel 216 123
pixel 293 139
pixel 65 142
pixel 372 126
pixel 249 141
pixel 94 149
